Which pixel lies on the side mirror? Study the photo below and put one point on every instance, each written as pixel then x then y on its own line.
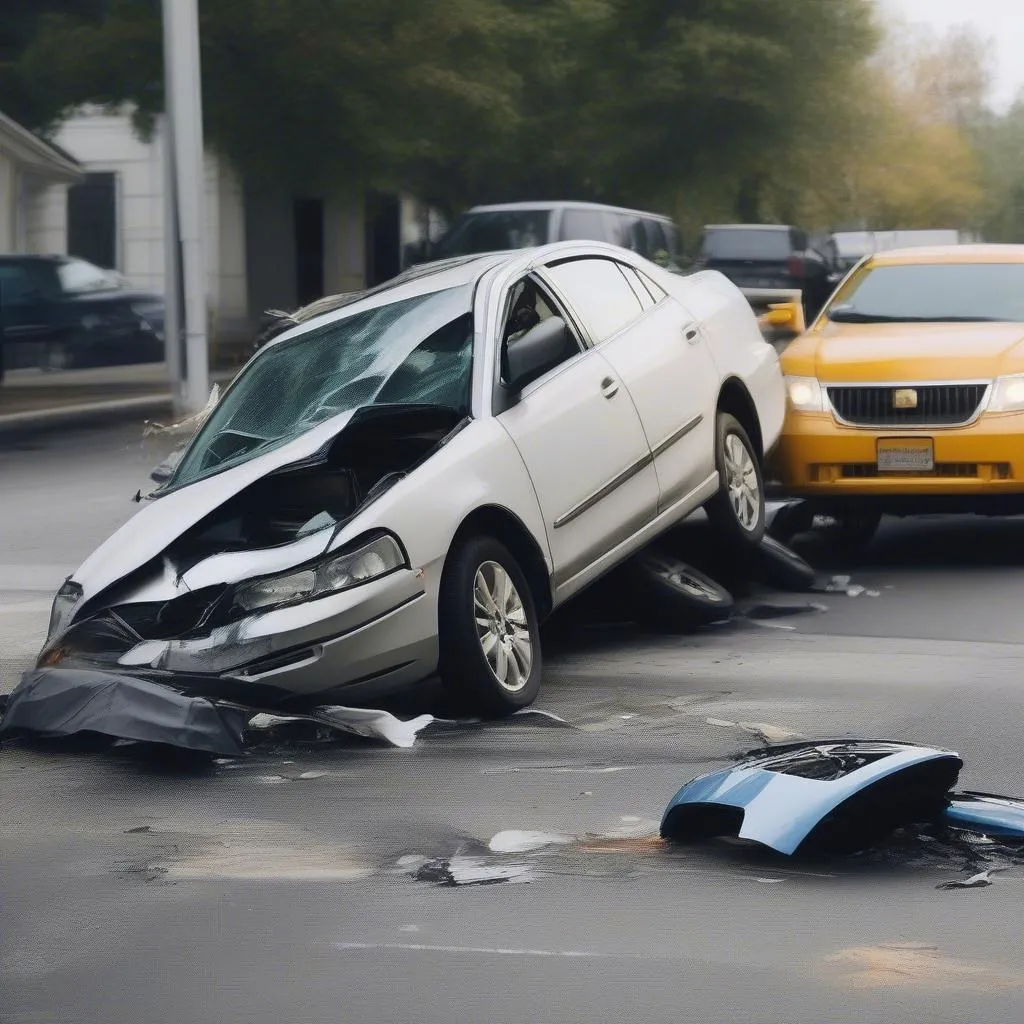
pixel 787 316
pixel 540 349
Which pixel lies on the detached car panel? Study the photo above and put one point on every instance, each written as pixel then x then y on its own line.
pixel 816 796
pixel 409 480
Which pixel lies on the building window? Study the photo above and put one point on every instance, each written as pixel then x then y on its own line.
pixel 92 219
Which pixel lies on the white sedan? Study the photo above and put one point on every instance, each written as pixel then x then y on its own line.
pixel 409 482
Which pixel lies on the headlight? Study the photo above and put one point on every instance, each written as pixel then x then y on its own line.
pixel 1008 394
pixel 805 394
pixel 63 606
pixel 369 561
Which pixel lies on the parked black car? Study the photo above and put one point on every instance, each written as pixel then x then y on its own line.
pixel 762 256
pixel 59 312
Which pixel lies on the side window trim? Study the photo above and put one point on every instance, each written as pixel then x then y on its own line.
pixel 643 296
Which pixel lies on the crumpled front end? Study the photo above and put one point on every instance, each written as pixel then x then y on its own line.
pixel 259 597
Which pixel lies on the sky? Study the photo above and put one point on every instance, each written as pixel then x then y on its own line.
pixel 1001 20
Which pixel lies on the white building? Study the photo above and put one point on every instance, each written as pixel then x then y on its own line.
pixel 34 180
pixel 264 249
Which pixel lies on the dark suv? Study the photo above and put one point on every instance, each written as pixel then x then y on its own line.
pixel 59 312
pixel 767 256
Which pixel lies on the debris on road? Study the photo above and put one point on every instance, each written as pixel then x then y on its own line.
pixel 371 724
pixel 61 702
pixel 460 871
pixel 978 881
pixel 836 796
pixel 986 814
pixel 518 841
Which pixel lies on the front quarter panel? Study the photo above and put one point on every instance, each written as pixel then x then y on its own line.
pixel 479 467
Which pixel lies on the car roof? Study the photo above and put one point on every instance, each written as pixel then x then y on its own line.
pixel 748 227
pixel 429 277
pixel 565 204
pixel 977 253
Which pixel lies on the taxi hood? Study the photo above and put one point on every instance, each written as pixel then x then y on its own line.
pixel 907 352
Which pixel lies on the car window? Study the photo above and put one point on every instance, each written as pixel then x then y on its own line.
pixel 583 224
pixel 16 287
pixel 936 291
pixel 416 351
pixel 746 244
pixel 599 293
pixel 639 289
pixel 529 305
pixel 79 276
pixel 494 231
pixel 656 239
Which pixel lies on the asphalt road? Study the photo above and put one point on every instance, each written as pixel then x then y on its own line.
pixel 275 889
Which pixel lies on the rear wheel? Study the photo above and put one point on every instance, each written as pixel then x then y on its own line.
pixel 736 512
pixel 490 656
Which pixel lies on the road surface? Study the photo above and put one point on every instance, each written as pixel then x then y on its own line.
pixel 282 888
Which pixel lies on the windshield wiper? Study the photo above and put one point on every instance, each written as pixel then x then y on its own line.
pixel 845 315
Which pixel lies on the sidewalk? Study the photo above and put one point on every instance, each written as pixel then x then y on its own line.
pixel 36 398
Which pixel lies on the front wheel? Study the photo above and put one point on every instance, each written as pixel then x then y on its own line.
pixel 490 657
pixel 736 512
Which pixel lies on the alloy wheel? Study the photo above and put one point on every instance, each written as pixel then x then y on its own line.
pixel 741 480
pixel 502 627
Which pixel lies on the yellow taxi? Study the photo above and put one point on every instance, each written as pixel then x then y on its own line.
pixel 906 394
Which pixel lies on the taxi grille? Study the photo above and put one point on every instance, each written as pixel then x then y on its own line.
pixel 868 470
pixel 874 405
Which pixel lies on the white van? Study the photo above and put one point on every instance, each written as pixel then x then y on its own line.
pixel 524 225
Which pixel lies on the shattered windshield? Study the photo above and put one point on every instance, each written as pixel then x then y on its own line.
pixel 417 351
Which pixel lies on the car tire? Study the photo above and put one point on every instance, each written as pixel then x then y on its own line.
pixel 672 595
pixel 488 631
pixel 774 564
pixel 736 512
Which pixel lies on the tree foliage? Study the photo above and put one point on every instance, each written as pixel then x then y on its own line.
pixel 462 100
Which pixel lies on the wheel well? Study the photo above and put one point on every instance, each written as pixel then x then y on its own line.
pixel 503 526
pixel 735 400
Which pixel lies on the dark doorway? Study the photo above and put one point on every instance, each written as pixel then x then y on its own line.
pixel 92 219
pixel 309 250
pixel 383 237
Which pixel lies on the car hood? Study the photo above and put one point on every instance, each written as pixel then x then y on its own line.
pixel 839 794
pixel 167 515
pixel 907 352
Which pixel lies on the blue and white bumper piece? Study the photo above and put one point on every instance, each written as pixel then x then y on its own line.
pixel 834 796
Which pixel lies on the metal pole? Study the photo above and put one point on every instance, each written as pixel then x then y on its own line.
pixel 172 269
pixel 181 25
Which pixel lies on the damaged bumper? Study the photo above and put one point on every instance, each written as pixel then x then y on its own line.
pixel 812 797
pixel 372 636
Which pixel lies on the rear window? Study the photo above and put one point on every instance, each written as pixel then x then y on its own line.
pixel 494 231
pixel 746 244
pixel 936 291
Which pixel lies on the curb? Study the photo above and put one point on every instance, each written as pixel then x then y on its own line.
pixel 86 412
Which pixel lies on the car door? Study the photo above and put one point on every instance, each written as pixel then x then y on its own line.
pixel 24 308
pixel 583 445
pixel 661 356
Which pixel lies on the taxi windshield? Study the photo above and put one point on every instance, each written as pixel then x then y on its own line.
pixel 932 292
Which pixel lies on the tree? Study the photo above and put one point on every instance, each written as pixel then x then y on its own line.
pixel 20 23
pixel 630 100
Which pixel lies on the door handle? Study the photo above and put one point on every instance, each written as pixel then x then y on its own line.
pixel 691 334
pixel 609 387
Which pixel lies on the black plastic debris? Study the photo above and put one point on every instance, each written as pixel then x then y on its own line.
pixel 61 702
pixel 461 871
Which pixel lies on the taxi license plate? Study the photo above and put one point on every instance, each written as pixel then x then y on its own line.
pixel 906 454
